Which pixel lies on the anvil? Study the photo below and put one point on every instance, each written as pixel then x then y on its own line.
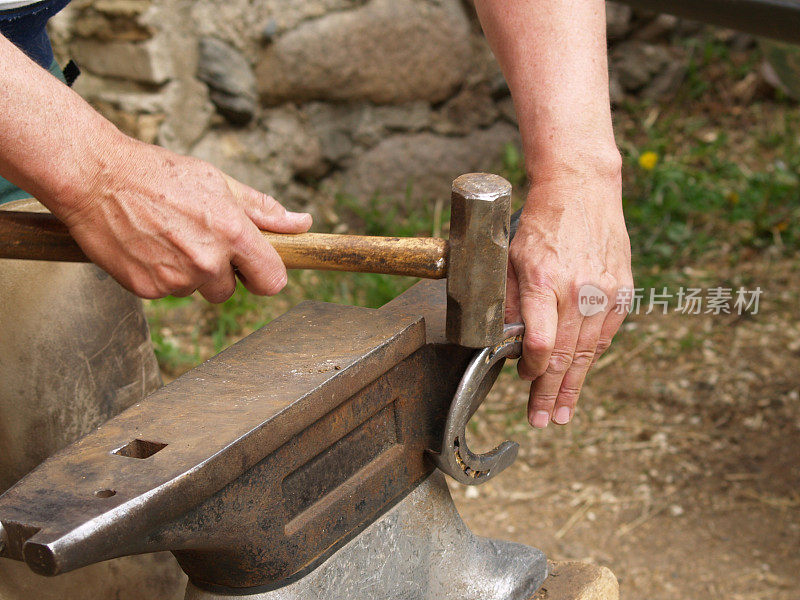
pixel 304 448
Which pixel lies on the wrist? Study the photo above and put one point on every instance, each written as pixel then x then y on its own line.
pixel 86 179
pixel 588 161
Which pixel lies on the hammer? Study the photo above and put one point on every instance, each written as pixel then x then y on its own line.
pixel 474 260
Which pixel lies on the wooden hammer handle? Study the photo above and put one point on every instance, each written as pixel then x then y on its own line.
pixel 41 236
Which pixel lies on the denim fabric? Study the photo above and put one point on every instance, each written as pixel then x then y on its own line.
pixel 26 28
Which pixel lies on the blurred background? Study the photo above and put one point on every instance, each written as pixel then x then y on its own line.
pixel 682 469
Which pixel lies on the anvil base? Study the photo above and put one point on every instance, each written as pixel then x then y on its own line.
pixel 419 550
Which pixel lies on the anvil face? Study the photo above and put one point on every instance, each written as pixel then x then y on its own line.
pixel 258 465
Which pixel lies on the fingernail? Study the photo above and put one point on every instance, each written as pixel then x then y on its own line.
pixel 298 216
pixel 540 419
pixel 562 415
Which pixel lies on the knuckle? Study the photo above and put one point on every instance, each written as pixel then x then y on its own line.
pixel 235 231
pixel 544 401
pixel 528 370
pixel 224 294
pixel 269 284
pixel 147 291
pixel 602 346
pixel 168 279
pixel 569 392
pixel 560 361
pixel 276 283
pixel 206 263
pixel 271 206
pixel 537 344
pixel 582 359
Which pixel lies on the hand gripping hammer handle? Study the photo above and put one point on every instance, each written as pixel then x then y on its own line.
pixel 41 236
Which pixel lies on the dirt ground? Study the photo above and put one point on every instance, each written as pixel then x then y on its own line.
pixel 681 471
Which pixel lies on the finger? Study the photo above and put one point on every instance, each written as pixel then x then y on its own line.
pixel 260 268
pixel 582 359
pixel 545 389
pixel 539 308
pixel 183 293
pixel 267 213
pixel 513 312
pixel 613 321
pixel 220 288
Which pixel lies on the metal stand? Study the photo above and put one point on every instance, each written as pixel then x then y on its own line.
pixel 419 550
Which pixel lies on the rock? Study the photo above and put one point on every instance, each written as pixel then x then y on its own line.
pixel 248 25
pixel 656 29
pixel 507 110
pixel 618 20
pixel 635 63
pixel 241 154
pixel 616 93
pixel 387 52
pixel 341 128
pixel 499 86
pixel 146 62
pixel 113 20
pixel 578 581
pixel 781 67
pixel 666 82
pixel 424 162
pixel 470 109
pixel 230 79
pixel 188 114
pixel 144 127
pixel 332 125
pixel 267 158
pixel 269 31
pixel 413 116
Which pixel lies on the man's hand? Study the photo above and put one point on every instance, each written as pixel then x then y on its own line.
pixel 159 223
pixel 162 224
pixel 572 233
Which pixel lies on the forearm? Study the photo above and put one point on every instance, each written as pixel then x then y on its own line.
pixel 51 140
pixel 553 54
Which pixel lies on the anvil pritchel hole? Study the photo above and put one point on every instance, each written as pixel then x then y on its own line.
pixel 140 449
pixel 105 493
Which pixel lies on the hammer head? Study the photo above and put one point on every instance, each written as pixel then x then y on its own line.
pixel 476 273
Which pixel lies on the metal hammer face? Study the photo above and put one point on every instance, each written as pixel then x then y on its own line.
pixel 478 261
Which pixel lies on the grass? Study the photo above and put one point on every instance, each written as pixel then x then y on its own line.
pixel 698 203
pixel 723 187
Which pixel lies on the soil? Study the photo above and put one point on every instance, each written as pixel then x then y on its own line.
pixel 681 470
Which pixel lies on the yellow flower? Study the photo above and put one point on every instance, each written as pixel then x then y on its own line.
pixel 648 160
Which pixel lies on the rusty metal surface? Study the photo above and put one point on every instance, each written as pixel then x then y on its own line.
pixel 777 19
pixel 418 550
pixel 259 463
pixel 479 239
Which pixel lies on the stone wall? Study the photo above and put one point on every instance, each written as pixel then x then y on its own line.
pixel 301 98
pixel 308 98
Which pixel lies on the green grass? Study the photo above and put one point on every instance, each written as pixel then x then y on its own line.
pixel 698 203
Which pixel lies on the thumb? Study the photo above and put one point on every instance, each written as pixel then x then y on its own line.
pixel 267 213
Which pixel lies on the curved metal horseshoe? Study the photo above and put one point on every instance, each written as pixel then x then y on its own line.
pixel 455 458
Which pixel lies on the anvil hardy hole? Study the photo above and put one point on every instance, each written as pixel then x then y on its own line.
pixel 140 449
pixel 105 493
